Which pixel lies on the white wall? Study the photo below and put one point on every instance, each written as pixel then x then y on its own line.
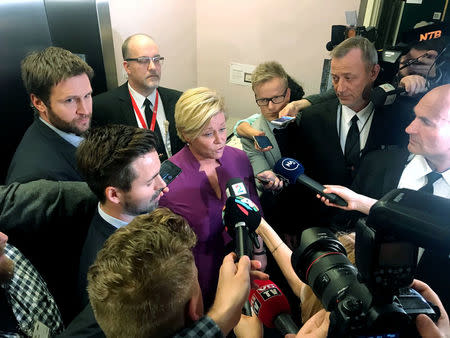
pixel 200 38
pixel 172 23
pixel 291 32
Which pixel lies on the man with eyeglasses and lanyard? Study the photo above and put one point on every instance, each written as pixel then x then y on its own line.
pixel 329 138
pixel 140 102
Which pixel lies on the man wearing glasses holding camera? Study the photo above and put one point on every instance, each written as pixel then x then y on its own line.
pixel 140 102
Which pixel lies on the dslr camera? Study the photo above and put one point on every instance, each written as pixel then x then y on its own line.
pixel 374 298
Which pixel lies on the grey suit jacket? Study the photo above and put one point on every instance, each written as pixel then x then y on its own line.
pixel 48 222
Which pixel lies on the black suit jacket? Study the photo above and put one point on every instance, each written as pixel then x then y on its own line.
pixel 317 145
pixel 99 231
pixel 115 107
pixel 42 153
pixel 379 173
pixel 314 141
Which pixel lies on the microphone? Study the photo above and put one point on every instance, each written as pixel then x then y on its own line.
pixel 293 171
pixel 385 94
pixel 241 216
pixel 272 307
pixel 238 214
pixel 236 187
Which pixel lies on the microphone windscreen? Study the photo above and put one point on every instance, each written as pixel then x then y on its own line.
pixel 382 95
pixel 236 187
pixel 289 168
pixel 240 209
pixel 267 301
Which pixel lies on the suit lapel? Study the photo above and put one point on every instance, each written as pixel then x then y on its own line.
pixel 330 120
pixel 376 132
pixel 125 110
pixel 169 102
pixel 65 149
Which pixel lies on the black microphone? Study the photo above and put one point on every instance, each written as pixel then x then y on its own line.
pixel 385 94
pixel 241 217
pixel 236 187
pixel 238 214
pixel 293 171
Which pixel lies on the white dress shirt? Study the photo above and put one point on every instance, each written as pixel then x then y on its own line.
pixel 414 177
pixel 344 122
pixel 115 222
pixel 160 115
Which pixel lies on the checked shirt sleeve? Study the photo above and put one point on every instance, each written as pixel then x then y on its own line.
pixel 204 327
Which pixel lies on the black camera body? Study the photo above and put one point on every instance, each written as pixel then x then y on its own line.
pixel 375 298
pixel 340 32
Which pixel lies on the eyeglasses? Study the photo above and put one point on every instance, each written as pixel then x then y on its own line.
pixel 145 60
pixel 276 99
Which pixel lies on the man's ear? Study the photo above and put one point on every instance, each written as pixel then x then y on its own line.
pixel 126 67
pixel 113 195
pixel 374 72
pixel 194 307
pixel 38 104
pixel 288 95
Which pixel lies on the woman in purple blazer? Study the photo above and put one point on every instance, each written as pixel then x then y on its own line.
pixel 198 193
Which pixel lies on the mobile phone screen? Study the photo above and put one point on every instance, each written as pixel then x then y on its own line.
pixel 282 120
pixel 262 141
pixel 169 171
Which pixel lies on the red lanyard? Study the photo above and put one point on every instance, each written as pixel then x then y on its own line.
pixel 139 114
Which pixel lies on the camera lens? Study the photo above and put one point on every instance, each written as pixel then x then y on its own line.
pixel 321 262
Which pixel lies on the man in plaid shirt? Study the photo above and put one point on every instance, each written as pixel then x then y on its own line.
pixel 26 306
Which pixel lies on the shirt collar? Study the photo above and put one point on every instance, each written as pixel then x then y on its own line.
pixel 363 114
pixel 115 222
pixel 139 99
pixel 418 167
pixel 73 139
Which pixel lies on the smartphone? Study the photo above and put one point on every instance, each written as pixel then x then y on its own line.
pixel 264 181
pixel 262 141
pixel 169 171
pixel 282 121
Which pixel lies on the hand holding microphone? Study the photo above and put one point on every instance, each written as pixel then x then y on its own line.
pixel 386 94
pixel 354 201
pixel 239 215
pixel 272 307
pixel 293 171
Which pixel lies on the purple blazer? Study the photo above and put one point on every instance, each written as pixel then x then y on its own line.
pixel 192 196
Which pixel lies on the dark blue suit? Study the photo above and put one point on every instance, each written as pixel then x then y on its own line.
pixel 99 231
pixel 42 153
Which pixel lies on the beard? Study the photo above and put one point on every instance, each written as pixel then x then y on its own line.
pixel 68 127
pixel 132 208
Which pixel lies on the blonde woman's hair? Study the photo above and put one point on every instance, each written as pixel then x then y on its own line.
pixel 194 110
